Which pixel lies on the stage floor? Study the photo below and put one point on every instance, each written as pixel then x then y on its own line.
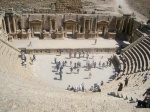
pixel 67 43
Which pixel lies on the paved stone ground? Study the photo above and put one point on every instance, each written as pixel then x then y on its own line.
pixel 43 68
pixel 67 43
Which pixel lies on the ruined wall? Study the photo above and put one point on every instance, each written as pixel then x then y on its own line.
pixel 68 6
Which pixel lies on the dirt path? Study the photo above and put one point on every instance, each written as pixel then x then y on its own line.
pixel 127 8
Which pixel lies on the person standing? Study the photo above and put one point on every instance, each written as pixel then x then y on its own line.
pixel 34 58
pixel 60 52
pixel 78 70
pixel 70 63
pixel 71 69
pixel 55 60
pixel 60 73
pixel 126 81
pixel 99 64
pixel 95 41
pixel 90 75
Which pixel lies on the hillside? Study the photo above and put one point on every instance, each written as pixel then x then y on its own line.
pixel 142 6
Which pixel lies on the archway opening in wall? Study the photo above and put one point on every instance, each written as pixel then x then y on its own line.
pixel 36 28
pixel 53 24
pixel 87 25
pixel 101 28
pixel 70 28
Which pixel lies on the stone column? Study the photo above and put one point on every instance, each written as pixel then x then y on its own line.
pixel 65 30
pixel 122 24
pixel 22 23
pixel 8 22
pixel 50 25
pixel 91 24
pixel 4 25
pixel 84 25
pixel 32 31
pixel 95 25
pixel 14 24
pixel 79 28
pixel 126 29
pixel 43 22
pixel 116 25
pixel 76 29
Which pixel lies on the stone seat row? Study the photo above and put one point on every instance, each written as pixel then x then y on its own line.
pixel 10 61
pixel 137 57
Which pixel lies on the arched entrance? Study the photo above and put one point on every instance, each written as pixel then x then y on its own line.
pixel 36 28
pixel 102 27
pixel 70 27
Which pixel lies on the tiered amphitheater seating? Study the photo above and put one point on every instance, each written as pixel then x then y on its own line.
pixel 21 91
pixel 137 56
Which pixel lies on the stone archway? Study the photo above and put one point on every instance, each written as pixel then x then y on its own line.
pixel 70 27
pixel 36 28
pixel 102 27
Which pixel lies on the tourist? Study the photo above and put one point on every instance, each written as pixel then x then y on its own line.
pixel 90 75
pixel 60 73
pixel 75 65
pixel 71 69
pixel 94 64
pixel 55 60
pixel 72 88
pixel 80 87
pixel 78 70
pixel 145 78
pixel 34 58
pixel 102 83
pixel 30 44
pixel 68 88
pixel 71 63
pixel 120 86
pixel 99 64
pixel 79 54
pixel 91 88
pixel 60 52
pixel 31 60
pixel 69 54
pixel 75 55
pixel 126 82
pixel 83 54
pixel 143 103
pixel 25 63
pixel 65 62
pixel 95 41
pixel 92 56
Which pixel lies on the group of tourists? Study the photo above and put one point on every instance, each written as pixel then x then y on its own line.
pixel 76 88
pixel 77 65
pixel 81 87
pixel 24 59
pixel 146 101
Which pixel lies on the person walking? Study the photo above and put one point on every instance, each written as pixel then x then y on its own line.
pixel 126 81
pixel 30 44
pixel 60 73
pixel 71 69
